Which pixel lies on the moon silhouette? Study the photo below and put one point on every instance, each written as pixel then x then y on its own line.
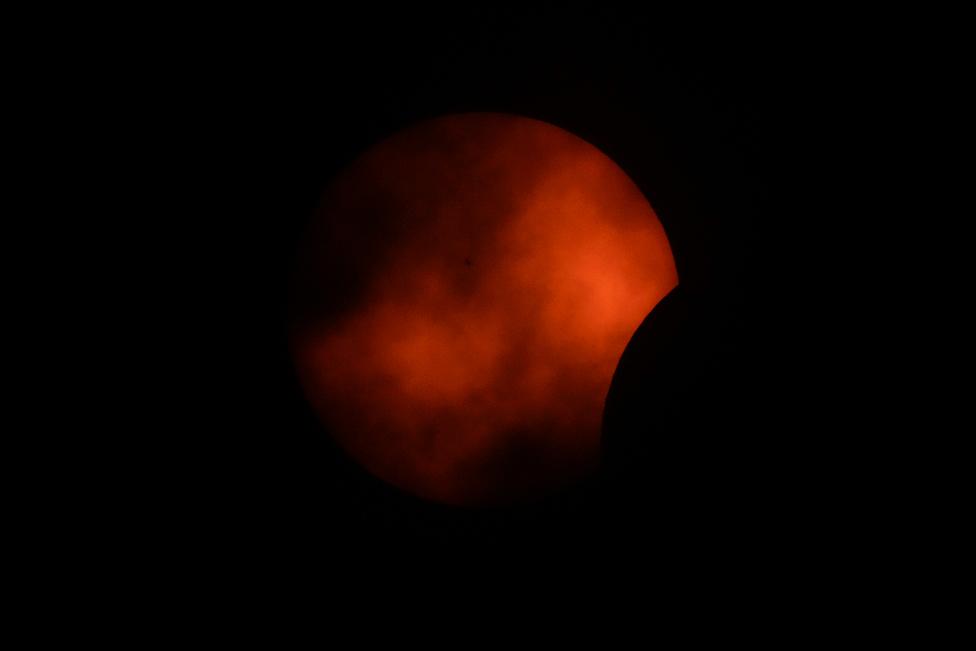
pixel 461 299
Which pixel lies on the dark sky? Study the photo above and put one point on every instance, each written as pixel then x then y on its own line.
pixel 704 435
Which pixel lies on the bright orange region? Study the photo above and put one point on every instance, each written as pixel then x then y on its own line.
pixel 462 299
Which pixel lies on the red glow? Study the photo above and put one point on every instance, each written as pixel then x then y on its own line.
pixel 463 296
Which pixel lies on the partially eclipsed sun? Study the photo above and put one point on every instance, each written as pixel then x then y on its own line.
pixel 461 299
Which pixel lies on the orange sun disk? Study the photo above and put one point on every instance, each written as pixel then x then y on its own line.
pixel 461 299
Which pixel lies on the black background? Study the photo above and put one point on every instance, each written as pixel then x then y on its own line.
pixel 714 454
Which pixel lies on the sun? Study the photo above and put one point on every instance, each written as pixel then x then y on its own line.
pixel 461 299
